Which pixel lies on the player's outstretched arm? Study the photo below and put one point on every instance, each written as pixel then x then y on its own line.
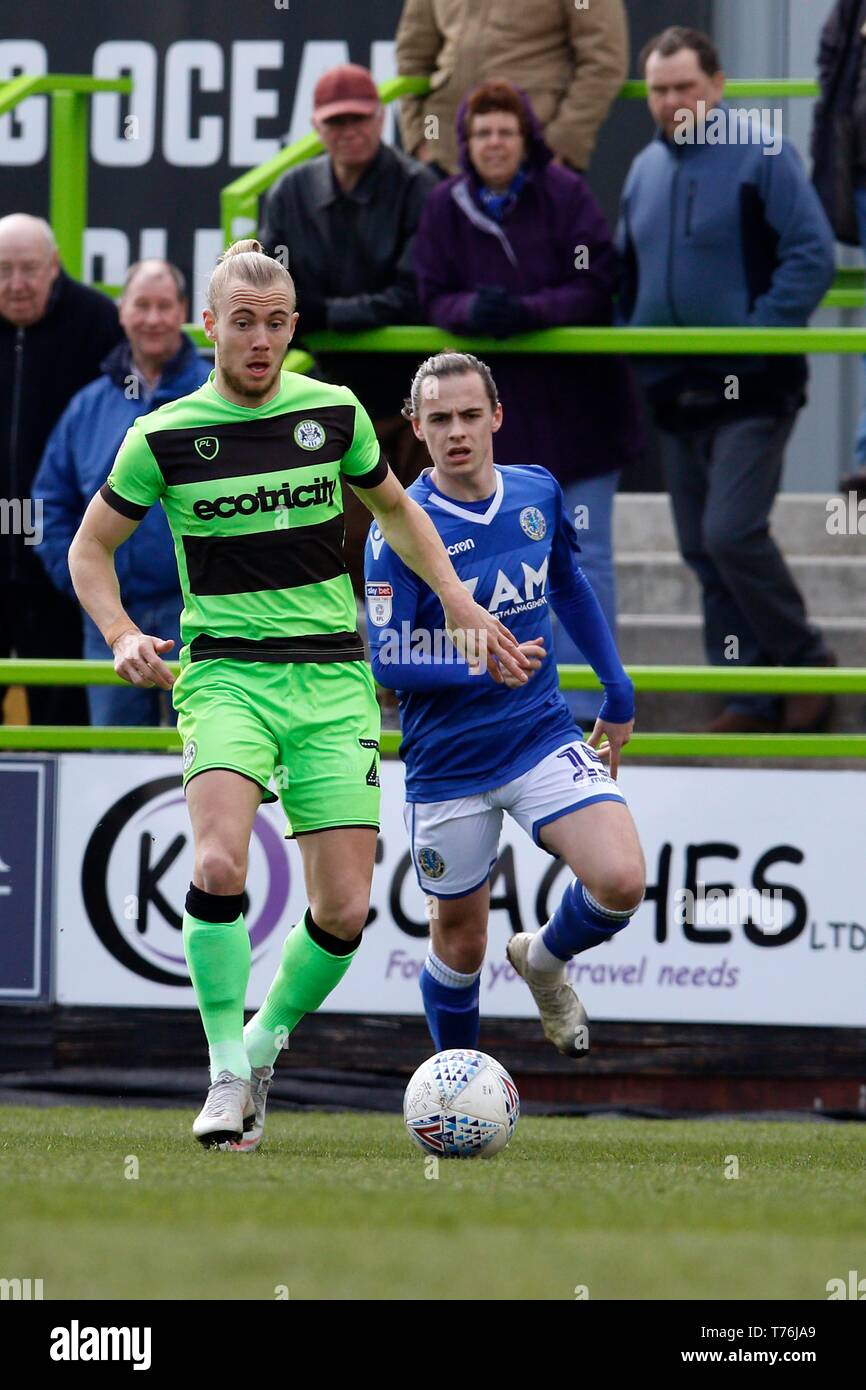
pixel 91 564
pixel 476 634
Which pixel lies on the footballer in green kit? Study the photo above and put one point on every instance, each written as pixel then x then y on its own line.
pixel 250 471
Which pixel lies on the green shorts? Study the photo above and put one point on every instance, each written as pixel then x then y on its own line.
pixel 313 727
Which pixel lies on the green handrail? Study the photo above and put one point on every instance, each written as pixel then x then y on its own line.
pixel 51 738
pixel 746 87
pixel 421 339
pixel 69 156
pixel 752 679
pixel 782 680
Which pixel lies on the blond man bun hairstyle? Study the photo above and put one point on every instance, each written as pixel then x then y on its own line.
pixel 248 261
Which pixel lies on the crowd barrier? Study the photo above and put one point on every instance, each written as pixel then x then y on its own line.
pixel 780 680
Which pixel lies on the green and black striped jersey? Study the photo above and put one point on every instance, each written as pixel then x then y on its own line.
pixel 254 500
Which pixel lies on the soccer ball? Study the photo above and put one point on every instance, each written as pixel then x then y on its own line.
pixel 460 1104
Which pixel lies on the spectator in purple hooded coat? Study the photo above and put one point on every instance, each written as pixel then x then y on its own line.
pixel 517 242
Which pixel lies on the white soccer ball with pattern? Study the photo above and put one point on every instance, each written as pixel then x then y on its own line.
pixel 461 1104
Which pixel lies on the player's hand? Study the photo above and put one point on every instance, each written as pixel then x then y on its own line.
pixel 137 659
pixel 617 736
pixel 535 653
pixel 482 639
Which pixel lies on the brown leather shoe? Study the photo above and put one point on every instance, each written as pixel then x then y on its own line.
pixel 809 714
pixel 733 721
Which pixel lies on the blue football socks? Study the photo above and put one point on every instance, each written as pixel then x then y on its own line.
pixel 451 1004
pixel 580 922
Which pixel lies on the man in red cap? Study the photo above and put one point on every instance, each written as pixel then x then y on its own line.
pixel 344 225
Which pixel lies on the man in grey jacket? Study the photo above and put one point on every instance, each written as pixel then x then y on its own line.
pixel 720 225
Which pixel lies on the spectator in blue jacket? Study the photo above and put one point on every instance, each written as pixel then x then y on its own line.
pixel 157 363
pixel 719 225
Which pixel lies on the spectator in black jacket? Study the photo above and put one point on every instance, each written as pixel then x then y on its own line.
pixel 53 335
pixel 344 224
pixel 839 150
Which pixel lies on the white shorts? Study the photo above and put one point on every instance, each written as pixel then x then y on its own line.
pixel 455 844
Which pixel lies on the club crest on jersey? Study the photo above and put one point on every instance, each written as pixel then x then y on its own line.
pixel 189 754
pixel 380 602
pixel 207 447
pixel 430 862
pixel 533 524
pixel 309 434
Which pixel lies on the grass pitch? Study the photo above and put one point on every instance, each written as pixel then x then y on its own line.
pixel 340 1207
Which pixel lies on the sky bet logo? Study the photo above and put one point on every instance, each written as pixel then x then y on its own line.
pixel 318 493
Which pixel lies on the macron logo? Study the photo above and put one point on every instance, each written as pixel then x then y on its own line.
pixel 460 547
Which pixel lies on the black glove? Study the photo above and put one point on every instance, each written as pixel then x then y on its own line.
pixel 497 313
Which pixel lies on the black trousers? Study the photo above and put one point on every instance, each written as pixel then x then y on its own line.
pixel 40 622
pixel 723 482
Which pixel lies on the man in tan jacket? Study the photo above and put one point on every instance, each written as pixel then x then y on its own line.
pixel 570 58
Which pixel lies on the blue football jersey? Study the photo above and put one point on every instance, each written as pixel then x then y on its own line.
pixel 464 734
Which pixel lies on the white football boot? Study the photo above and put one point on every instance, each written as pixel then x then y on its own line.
pixel 260 1084
pixel 226 1112
pixel 563 1017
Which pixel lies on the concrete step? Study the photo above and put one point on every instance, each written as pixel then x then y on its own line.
pixel 649 582
pixel 677 639
pixel 801 523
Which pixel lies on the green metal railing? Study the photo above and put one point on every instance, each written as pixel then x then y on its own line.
pixel 69 154
pixel 423 340
pixel 747 679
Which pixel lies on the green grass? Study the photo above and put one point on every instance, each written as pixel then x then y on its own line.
pixel 338 1207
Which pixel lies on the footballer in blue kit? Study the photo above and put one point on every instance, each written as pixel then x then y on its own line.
pixel 477 745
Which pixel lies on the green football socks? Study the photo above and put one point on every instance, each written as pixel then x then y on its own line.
pixel 218 957
pixel 313 964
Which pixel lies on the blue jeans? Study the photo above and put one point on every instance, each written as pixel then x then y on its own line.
pixel 125 706
pixel 594 527
pixel 860 441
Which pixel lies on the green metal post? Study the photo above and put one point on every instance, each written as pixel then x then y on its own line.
pixel 69 171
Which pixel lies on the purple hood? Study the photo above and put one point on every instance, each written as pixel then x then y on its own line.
pixel 538 152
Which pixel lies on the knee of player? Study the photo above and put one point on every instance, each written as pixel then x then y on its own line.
pixel 343 917
pixel 463 953
pixel 220 870
pixel 621 889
